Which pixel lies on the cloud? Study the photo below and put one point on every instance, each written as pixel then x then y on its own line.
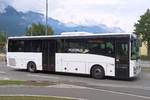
pixel 120 13
pixel 85 12
pixel 4 4
pixel 32 5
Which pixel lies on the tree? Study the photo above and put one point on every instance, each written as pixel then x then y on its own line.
pixel 38 29
pixel 142 28
pixel 2 41
pixel 2 38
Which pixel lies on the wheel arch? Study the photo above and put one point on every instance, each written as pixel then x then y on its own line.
pixel 31 62
pixel 95 65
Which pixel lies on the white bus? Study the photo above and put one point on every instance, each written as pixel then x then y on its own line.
pixel 98 55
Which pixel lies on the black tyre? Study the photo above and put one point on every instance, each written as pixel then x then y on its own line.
pixel 97 72
pixel 31 67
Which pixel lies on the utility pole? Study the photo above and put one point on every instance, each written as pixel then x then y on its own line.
pixel 46 31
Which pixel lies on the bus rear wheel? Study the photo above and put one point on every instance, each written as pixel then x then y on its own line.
pixel 97 72
pixel 31 67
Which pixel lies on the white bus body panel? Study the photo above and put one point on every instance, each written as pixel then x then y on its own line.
pixel 82 63
pixel 135 68
pixel 19 60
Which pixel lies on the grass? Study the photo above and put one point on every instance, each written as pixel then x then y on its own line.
pixel 30 98
pixel 27 83
pixel 39 83
pixel 11 82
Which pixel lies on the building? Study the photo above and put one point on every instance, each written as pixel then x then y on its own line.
pixel 143 49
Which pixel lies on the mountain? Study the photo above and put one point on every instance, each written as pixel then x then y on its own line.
pixel 15 23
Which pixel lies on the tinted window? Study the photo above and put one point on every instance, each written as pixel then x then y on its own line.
pixel 91 46
pixel 74 46
pixel 59 46
pixel 101 47
pixel 16 46
pixel 135 49
pixel 24 46
pixel 36 46
pixel 122 50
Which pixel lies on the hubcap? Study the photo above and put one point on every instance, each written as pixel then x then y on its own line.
pixel 98 72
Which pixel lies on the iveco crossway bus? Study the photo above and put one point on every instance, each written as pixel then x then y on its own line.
pixel 98 55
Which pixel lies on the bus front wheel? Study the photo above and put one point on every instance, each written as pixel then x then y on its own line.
pixel 31 67
pixel 97 72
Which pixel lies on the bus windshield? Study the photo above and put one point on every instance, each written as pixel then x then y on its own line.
pixel 135 49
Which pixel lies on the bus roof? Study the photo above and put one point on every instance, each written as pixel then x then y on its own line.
pixel 72 34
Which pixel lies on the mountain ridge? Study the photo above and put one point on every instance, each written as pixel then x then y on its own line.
pixel 15 23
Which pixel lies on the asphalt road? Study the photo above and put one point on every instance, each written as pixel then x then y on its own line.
pixel 77 86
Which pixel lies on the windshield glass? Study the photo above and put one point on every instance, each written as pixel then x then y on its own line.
pixel 134 49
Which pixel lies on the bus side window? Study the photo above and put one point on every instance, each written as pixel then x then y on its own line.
pixel 21 46
pixel 59 46
pixel 75 46
pixel 109 49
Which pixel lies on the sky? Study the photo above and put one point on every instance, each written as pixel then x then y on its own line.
pixel 113 13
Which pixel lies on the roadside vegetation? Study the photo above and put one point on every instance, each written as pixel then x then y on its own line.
pixel 142 29
pixel 38 29
pixel 31 98
pixel 147 58
pixel 2 42
pixel 26 83
pixel 11 82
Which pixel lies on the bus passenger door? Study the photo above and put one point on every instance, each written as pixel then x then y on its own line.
pixel 122 58
pixel 49 49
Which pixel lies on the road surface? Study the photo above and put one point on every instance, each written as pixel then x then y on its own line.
pixel 77 86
